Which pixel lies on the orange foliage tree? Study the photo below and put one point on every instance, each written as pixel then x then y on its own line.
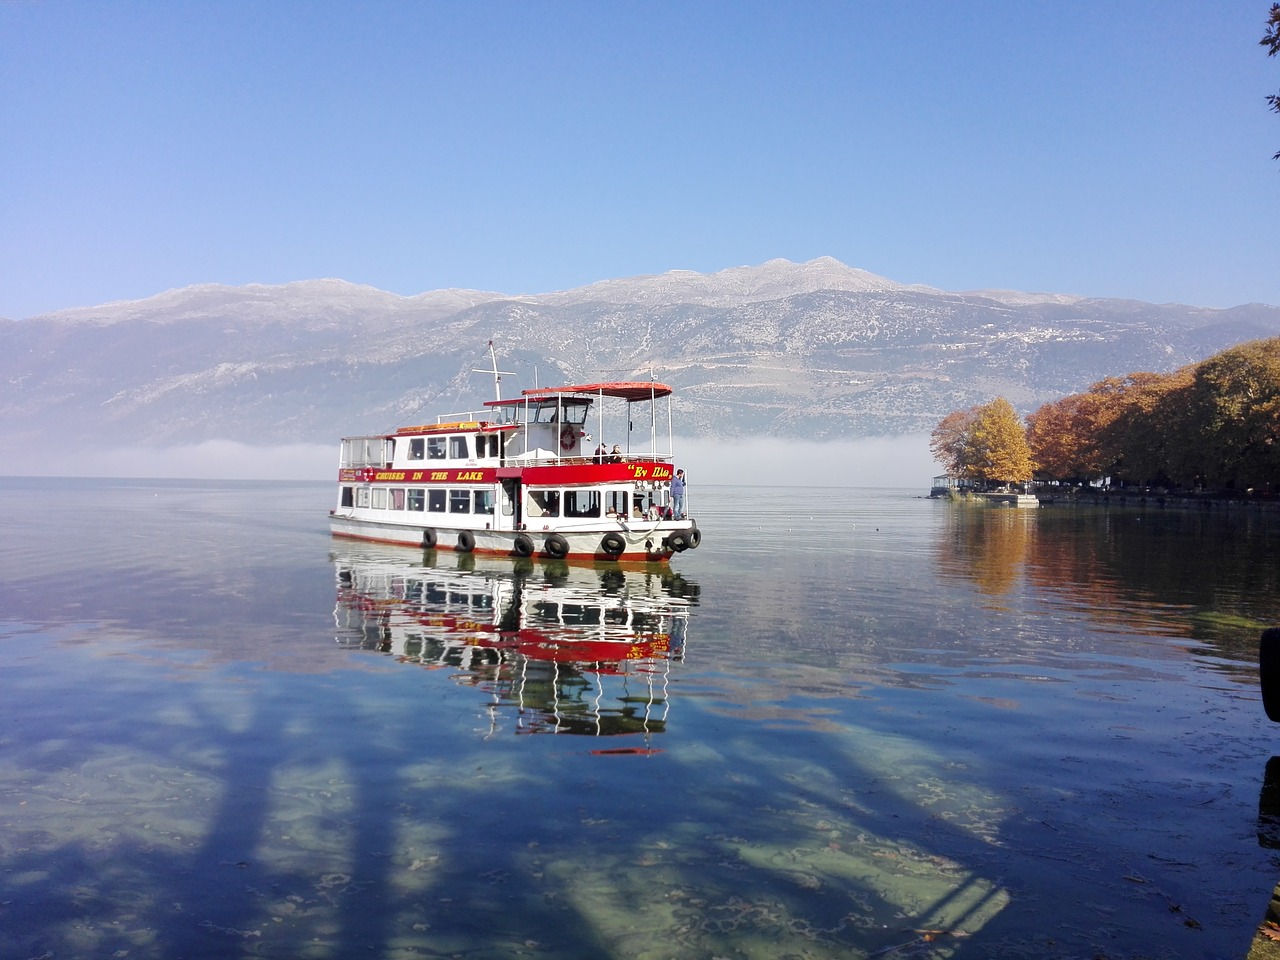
pixel 986 444
pixel 1063 436
pixel 1213 424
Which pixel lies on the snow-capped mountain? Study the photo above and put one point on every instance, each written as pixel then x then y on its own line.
pixel 813 350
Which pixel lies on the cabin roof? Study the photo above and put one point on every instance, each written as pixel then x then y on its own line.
pixel 629 390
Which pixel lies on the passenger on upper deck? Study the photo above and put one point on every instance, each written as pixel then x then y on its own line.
pixel 615 456
pixel 602 452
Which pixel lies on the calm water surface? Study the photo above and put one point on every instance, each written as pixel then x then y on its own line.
pixel 852 724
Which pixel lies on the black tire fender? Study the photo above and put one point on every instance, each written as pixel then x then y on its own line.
pixel 428 538
pixel 1269 671
pixel 678 541
pixel 695 538
pixel 466 541
pixel 556 546
pixel 613 544
pixel 523 546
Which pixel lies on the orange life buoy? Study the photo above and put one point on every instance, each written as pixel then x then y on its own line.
pixel 567 438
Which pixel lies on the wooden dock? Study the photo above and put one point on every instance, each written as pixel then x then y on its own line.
pixel 1019 500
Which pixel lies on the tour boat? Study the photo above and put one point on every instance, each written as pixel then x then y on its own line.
pixel 523 478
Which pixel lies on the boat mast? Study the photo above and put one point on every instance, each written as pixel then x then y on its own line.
pixel 497 374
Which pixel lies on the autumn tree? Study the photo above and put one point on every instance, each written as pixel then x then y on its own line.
pixel 986 443
pixel 1213 424
pixel 998 450
pixel 949 443
pixel 1233 411
pixel 1063 437
pixel 1145 440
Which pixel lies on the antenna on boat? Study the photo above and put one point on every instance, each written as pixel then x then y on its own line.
pixel 497 374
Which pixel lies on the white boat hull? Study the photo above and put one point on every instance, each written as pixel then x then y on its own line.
pixel 644 540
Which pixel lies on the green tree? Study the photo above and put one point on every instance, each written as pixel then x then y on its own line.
pixel 1271 40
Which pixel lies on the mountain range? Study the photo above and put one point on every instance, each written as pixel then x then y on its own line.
pixel 815 350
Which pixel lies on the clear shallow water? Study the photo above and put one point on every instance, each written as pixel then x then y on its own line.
pixel 853 723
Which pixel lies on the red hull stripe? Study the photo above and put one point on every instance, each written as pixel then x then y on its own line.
pixel 555 475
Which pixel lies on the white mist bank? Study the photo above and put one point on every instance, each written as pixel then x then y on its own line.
pixel 211 460
pixel 873 462
pixel 869 462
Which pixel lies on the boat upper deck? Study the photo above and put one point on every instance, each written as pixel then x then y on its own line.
pixel 542 435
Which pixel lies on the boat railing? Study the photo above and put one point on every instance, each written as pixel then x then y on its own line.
pixel 466 416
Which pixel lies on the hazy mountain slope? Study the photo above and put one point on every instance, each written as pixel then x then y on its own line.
pixel 805 350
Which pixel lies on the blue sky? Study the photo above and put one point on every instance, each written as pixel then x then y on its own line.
pixel 1092 147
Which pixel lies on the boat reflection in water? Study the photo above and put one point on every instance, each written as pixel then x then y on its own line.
pixel 556 647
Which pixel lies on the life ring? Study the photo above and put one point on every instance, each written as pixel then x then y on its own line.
pixel 678 541
pixel 613 544
pixel 428 539
pixel 1269 672
pixel 466 541
pixel 695 538
pixel 567 438
pixel 556 545
pixel 523 546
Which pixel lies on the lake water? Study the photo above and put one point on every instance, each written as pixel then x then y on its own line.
pixel 853 723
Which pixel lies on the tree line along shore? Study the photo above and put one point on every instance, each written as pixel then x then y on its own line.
pixel 1207 430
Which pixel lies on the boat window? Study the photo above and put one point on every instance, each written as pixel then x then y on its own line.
pixel 458 448
pixel 379 498
pixel 487 445
pixel 579 614
pixel 616 501
pixel 362 496
pixel 435 448
pixel 459 501
pixel 435 501
pixel 366 451
pixel 417 448
pixel 417 498
pixel 544 503
pixel 347 497
pixel 544 413
pixel 397 498
pixel 575 411
pixel 582 503
pixel 483 501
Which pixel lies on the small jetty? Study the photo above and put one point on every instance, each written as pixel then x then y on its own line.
pixel 1020 500
pixel 957 488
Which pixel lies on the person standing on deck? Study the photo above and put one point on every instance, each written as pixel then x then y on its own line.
pixel 677 495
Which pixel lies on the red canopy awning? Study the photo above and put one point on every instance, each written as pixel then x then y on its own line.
pixel 625 390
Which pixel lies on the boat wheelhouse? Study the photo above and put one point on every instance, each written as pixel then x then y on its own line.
pixel 522 478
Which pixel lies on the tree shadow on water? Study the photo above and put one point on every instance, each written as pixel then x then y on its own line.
pixel 318 818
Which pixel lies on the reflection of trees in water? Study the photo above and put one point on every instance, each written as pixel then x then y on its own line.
pixel 986 545
pixel 277 828
pixel 1211 573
